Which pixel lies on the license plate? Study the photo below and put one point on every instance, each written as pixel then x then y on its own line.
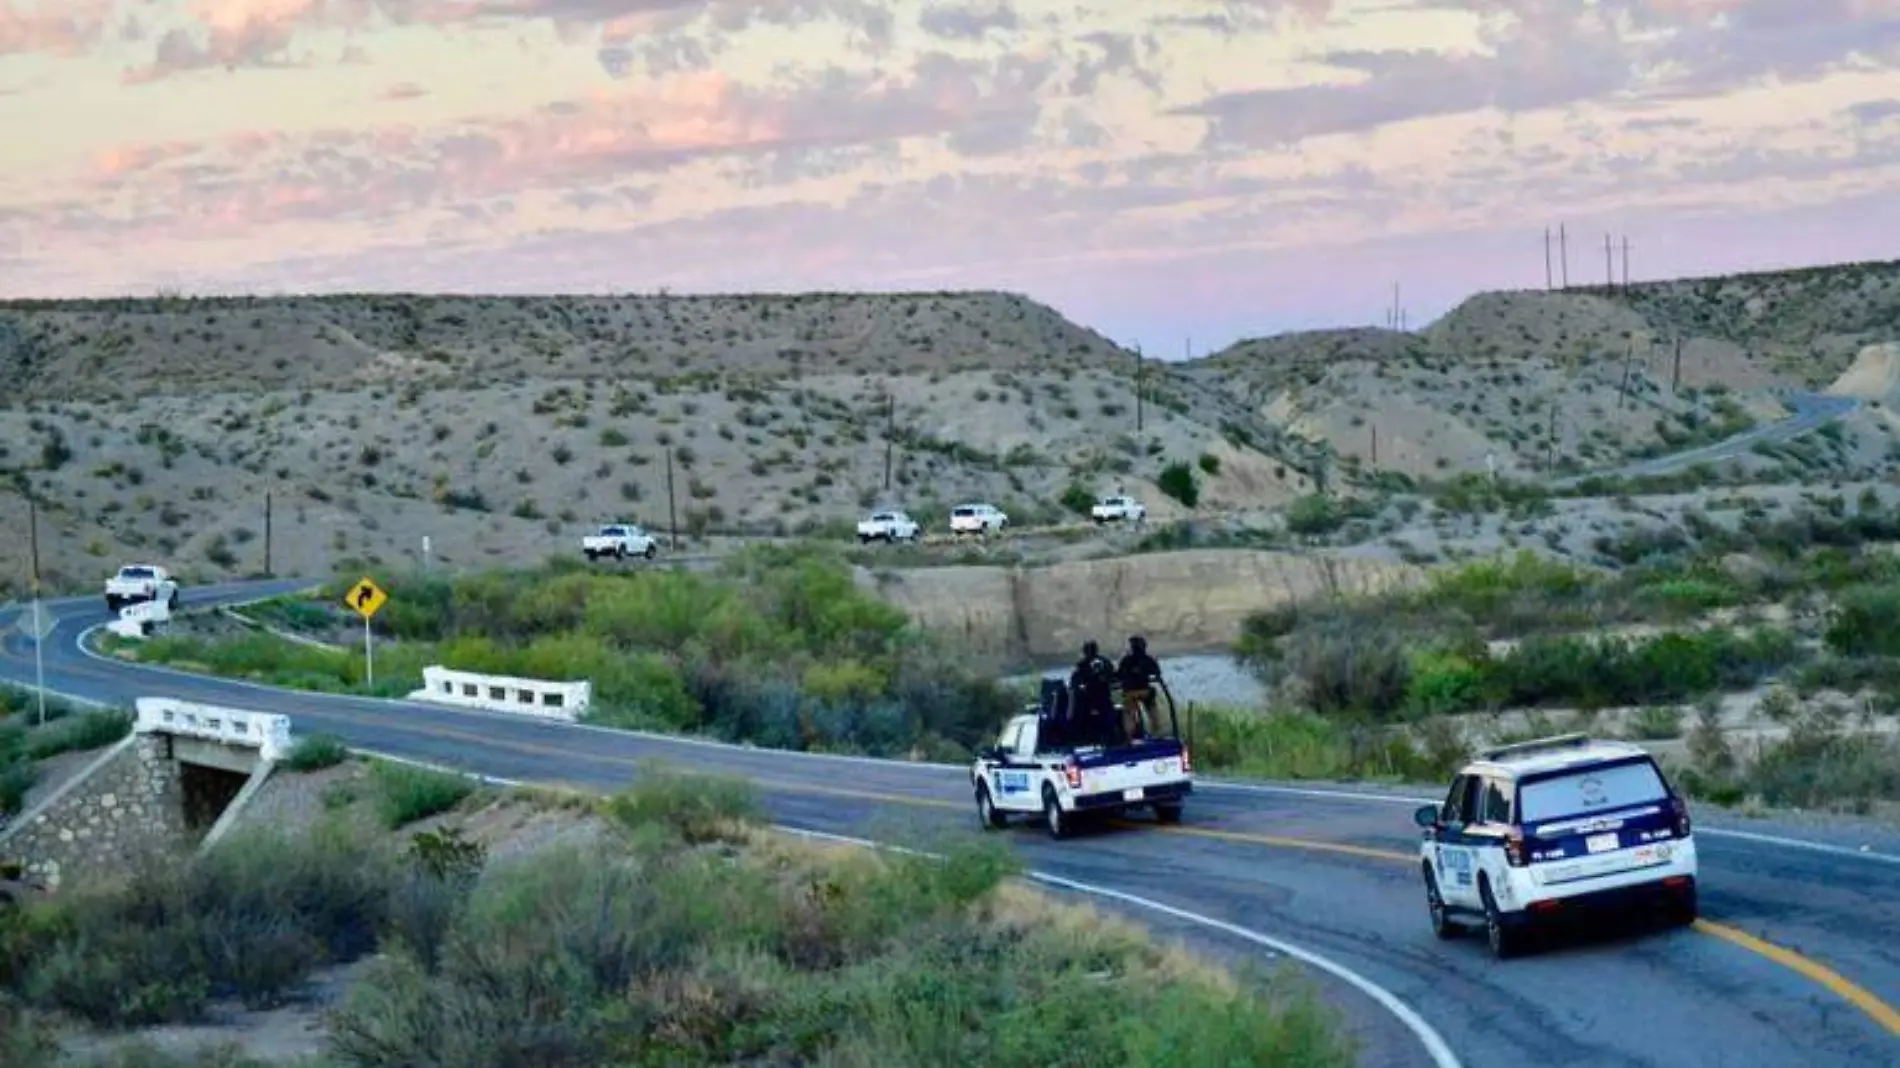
pixel 1135 794
pixel 1601 843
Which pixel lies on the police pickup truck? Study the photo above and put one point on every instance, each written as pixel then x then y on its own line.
pixel 1059 760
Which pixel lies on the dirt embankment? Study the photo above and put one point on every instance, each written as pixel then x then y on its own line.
pixel 1183 602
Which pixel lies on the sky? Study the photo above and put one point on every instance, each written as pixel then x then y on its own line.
pixel 1174 173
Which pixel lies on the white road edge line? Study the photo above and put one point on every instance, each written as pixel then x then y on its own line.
pixel 79 642
pixel 1435 1046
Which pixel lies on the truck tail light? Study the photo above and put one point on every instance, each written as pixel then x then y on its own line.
pixel 1514 848
pixel 1187 760
pixel 1073 772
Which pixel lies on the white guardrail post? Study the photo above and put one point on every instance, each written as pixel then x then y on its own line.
pixel 265 732
pixel 541 699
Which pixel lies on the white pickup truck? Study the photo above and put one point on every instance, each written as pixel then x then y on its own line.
pixel 1065 765
pixel 888 526
pixel 618 540
pixel 141 582
pixel 977 519
pixel 1110 509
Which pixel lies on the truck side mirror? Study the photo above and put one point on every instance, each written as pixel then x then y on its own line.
pixel 1425 816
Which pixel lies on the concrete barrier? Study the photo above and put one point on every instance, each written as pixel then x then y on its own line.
pixel 267 733
pixel 140 620
pixel 564 701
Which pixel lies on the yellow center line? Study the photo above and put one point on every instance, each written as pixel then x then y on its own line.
pixel 1864 1000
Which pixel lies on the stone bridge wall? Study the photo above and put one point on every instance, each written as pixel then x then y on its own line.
pixel 99 823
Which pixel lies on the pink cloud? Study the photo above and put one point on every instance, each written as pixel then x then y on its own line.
pixel 402 91
pixel 64 28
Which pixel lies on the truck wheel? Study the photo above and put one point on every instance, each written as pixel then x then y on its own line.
pixel 1052 814
pixel 1168 813
pixel 650 550
pixel 591 555
pixel 171 602
pixel 864 539
pixel 620 551
pixel 112 603
pixel 991 817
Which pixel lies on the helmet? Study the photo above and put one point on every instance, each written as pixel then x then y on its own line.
pixel 1138 643
pixel 1089 648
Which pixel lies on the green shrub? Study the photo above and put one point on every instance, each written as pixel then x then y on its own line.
pixel 699 808
pixel 248 920
pixel 1866 622
pixel 16 778
pixel 1177 480
pixel 1078 499
pixel 91 729
pixel 405 793
pixel 316 752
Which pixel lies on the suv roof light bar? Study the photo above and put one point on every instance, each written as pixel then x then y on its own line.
pixel 1538 745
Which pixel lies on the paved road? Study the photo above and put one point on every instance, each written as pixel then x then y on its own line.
pixel 1328 870
pixel 1807 412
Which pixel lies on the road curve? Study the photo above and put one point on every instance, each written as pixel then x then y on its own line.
pixel 1798 964
pixel 1807 412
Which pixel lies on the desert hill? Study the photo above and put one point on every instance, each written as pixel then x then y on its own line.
pixel 1566 381
pixel 502 428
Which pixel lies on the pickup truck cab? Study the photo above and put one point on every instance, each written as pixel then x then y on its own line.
pixel 141 582
pixel 1062 764
pixel 618 540
pixel 977 519
pixel 1118 508
pixel 887 526
pixel 1554 828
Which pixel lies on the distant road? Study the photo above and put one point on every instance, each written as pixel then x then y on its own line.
pixel 1809 412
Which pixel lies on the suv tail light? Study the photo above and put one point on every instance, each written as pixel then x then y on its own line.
pixel 1679 808
pixel 1187 760
pixel 1514 847
pixel 1073 772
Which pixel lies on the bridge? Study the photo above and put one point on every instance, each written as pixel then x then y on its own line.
pixel 181 776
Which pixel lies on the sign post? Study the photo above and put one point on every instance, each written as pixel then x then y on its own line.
pixel 39 628
pixel 366 599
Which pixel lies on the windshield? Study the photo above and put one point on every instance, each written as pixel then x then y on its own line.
pixel 135 572
pixel 1589 791
pixel 964 511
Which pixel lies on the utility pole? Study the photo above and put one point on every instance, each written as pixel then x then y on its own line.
pixel 1375 444
pixel 39 625
pixel 1563 252
pixel 890 434
pixel 1609 269
pixel 267 531
pixel 1548 279
pixel 1675 378
pixel 1629 357
pixel 1138 374
pixel 1626 263
pixel 672 510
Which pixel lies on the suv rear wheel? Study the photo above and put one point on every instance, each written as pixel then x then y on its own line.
pixel 1052 814
pixel 1506 939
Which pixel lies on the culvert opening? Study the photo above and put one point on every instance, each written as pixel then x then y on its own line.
pixel 207 793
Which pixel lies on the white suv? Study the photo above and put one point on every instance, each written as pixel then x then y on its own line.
pixel 1550 829
pixel 977 519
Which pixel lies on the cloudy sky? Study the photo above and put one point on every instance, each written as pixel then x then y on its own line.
pixel 1173 172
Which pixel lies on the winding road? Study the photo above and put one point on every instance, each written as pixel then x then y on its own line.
pixel 1797 961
